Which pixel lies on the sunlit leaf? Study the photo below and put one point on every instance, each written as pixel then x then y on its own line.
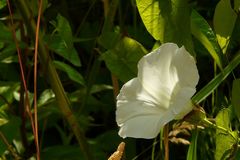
pixel 45 97
pixel 224 141
pixel 167 21
pixel 123 58
pixel 224 21
pixel 204 33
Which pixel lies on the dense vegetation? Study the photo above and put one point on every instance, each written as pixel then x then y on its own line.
pixel 62 64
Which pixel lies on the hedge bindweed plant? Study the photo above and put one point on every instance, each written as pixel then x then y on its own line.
pixel 161 92
pixel 170 66
pixel 167 77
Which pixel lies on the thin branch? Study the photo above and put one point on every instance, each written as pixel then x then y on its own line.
pixel 35 80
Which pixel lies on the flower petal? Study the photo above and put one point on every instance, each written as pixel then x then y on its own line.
pixel 135 109
pixel 157 75
pixel 186 68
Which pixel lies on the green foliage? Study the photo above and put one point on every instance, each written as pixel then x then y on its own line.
pixel 235 97
pixel 122 59
pixel 225 143
pixel 71 72
pixel 192 151
pixel 87 49
pixel 224 13
pixel 204 33
pixel 167 21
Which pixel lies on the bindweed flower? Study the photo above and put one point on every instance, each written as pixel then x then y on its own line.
pixel 161 92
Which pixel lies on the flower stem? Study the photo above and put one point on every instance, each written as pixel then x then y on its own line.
pixel 166 145
pixel 210 124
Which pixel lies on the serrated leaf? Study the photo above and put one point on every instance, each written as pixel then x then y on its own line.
pixel 235 97
pixel 224 141
pixel 167 21
pixel 204 33
pixel 224 21
pixel 71 72
pixel 123 58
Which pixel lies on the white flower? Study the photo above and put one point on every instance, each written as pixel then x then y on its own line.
pixel 161 92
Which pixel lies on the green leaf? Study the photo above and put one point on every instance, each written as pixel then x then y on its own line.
pixel 204 33
pixel 6 35
pixel 45 96
pixel 235 97
pixel 6 91
pixel 71 72
pixel 62 41
pixel 64 30
pixel 192 150
pixel 123 58
pixel 57 44
pixel 224 141
pixel 9 132
pixel 108 39
pixel 216 81
pixel 224 21
pixel 167 21
pixel 3 3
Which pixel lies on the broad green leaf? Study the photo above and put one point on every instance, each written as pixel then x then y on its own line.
pixel 6 35
pixel 224 21
pixel 62 41
pixel 215 82
pixel 64 29
pixel 6 91
pixel 225 142
pixel 3 121
pixel 192 150
pixel 9 132
pixel 108 39
pixel 167 21
pixel 204 33
pixel 71 72
pixel 45 96
pixel 57 44
pixel 123 58
pixel 3 3
pixel 236 98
